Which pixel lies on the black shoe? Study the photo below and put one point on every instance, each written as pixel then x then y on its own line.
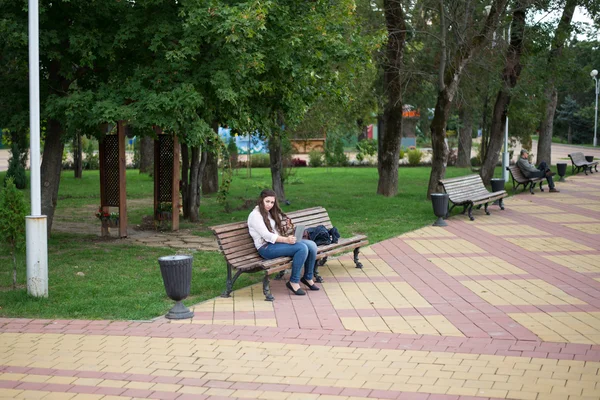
pixel 553 190
pixel 298 292
pixel 311 287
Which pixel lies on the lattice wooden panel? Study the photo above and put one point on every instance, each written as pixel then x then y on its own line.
pixel 111 170
pixel 165 168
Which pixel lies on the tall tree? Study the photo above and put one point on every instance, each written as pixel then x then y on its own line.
pixel 510 77
pixel 451 69
pixel 391 134
pixel 561 35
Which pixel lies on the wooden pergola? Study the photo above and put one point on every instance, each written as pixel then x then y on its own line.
pixel 113 163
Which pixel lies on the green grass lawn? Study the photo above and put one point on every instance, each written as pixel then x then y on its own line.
pixel 95 278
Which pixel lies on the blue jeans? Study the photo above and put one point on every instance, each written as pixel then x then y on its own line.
pixel 303 252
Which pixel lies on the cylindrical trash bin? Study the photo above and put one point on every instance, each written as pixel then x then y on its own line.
pixel 497 186
pixel 561 168
pixel 176 272
pixel 589 158
pixel 440 207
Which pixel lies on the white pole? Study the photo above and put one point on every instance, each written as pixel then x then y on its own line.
pixel 596 114
pixel 35 225
pixel 505 160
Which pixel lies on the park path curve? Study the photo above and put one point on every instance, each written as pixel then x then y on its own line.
pixel 506 306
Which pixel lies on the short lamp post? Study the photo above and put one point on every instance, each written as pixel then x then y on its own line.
pixel 594 75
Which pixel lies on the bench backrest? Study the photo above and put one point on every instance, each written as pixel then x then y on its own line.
pixel 237 245
pixel 464 186
pixel 517 174
pixel 578 158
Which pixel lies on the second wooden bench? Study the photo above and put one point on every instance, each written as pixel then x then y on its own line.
pixel 578 162
pixel 469 191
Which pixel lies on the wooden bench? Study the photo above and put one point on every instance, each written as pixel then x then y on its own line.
pixel 578 162
pixel 469 191
pixel 519 179
pixel 241 256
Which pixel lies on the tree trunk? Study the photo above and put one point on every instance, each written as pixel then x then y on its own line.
pixel 276 163
pixel 193 188
pixel 391 134
pixel 50 170
pixel 210 179
pixel 77 157
pixel 146 155
pixel 185 180
pixel 465 137
pixel 14 256
pixel 563 32
pixel 570 134
pixel 544 147
pixel 438 142
pixel 510 76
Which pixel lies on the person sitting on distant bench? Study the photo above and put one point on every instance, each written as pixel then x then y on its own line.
pixel 531 171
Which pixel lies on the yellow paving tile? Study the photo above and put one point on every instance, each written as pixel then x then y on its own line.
pixel 512 230
pixel 518 201
pixel 373 295
pixel 536 210
pixel 571 327
pixel 593 207
pixel 565 217
pixel 545 244
pixel 444 246
pixel 520 292
pixel 587 228
pixel 470 266
pixel 580 263
pixel 428 232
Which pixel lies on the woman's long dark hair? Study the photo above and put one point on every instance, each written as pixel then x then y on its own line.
pixel 275 212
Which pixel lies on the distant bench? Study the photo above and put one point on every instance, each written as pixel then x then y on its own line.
pixel 578 162
pixel 237 246
pixel 517 177
pixel 469 191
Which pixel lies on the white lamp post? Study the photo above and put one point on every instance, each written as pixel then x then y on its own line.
pixel 594 75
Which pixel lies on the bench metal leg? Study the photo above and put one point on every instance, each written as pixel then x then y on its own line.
pixel 266 288
pixel 230 281
pixel 501 204
pixel 541 187
pixel 319 263
pixel 358 263
pixel 470 209
pixel 585 169
pixel 486 209
pixel 531 186
pixel 279 275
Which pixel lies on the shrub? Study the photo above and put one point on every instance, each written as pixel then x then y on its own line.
pixel 13 209
pixel 402 152
pixel 366 148
pixel 260 161
pixel 475 162
pixel 92 161
pixel 298 162
pixel 414 157
pixel 334 153
pixel 16 170
pixel 315 158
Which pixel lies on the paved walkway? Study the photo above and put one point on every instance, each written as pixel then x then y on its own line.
pixel 507 306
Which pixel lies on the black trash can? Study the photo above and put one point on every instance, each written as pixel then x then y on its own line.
pixel 589 158
pixel 176 272
pixel 497 185
pixel 561 169
pixel 440 207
